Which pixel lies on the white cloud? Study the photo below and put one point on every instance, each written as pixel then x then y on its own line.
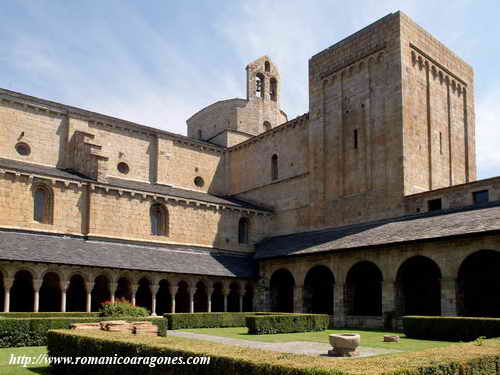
pixel 487 134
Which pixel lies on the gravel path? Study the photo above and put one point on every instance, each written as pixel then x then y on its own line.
pixel 294 347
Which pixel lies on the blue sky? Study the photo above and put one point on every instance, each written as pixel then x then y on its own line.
pixel 158 62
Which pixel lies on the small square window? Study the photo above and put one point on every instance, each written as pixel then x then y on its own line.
pixel 435 205
pixel 482 196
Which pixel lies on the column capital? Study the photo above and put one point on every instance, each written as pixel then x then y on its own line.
pixel 112 287
pixel 210 291
pixel 133 288
pixel 173 290
pixel 8 282
pixel 64 284
pixel 191 291
pixel 89 285
pixel 154 288
pixel 225 292
pixel 37 283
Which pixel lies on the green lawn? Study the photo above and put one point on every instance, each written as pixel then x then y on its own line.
pixel 33 351
pixel 372 339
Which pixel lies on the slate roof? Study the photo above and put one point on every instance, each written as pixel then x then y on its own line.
pixel 126 184
pixel 428 226
pixel 45 248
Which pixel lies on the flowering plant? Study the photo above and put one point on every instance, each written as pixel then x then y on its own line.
pixel 121 307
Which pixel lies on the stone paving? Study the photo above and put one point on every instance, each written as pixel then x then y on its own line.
pixel 294 347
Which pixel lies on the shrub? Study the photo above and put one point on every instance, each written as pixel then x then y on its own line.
pixel 121 308
pixel 49 314
pixel 210 320
pixel 466 359
pixel 33 331
pixel 450 328
pixel 266 324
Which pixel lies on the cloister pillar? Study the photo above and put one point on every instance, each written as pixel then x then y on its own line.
pixel 173 291
pixel 133 289
pixel 225 293
pixel 298 299
pixel 448 297
pixel 89 285
pixel 112 291
pixel 64 287
pixel 241 301
pixel 191 291
pixel 210 291
pixel 338 306
pixel 7 285
pixel 154 290
pixel 388 303
pixel 37 283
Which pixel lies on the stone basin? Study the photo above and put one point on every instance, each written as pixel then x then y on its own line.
pixel 344 344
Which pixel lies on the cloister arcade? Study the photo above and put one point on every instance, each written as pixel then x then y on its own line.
pixel 364 287
pixel 40 288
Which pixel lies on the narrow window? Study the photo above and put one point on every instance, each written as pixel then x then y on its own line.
pixel 267 66
pixel 482 196
pixel 200 134
pixel 259 85
pixel 267 126
pixel 355 139
pixel 434 205
pixel 441 143
pixel 42 210
pixel 243 226
pixel 274 167
pixel 273 89
pixel 159 220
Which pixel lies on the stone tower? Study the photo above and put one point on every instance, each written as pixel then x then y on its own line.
pixel 229 122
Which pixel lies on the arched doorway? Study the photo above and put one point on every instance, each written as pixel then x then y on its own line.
pixel 182 298
pixel 123 289
pixel 318 291
pixel 200 298
pixel 163 298
pixel 363 290
pixel 76 294
pixel 248 298
pixel 218 298
pixel 21 294
pixel 418 287
pixel 282 286
pixel 50 293
pixel 479 285
pixel 143 297
pixel 233 298
pixel 100 293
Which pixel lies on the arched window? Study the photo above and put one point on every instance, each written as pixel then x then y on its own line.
pixel 243 226
pixel 259 85
pixel 273 89
pixel 42 204
pixel 267 126
pixel 267 66
pixel 274 167
pixel 200 134
pixel 159 220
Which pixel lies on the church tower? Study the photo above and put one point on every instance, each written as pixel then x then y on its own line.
pixel 232 121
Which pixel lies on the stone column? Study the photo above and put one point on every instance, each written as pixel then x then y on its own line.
pixel 448 297
pixel 7 284
pixel 64 288
pixel 112 291
pixel 154 290
pixel 191 292
pixel 37 283
pixel 173 291
pixel 241 301
pixel 133 289
pixel 89 285
pixel 298 299
pixel 225 293
pixel 388 302
pixel 210 291
pixel 338 306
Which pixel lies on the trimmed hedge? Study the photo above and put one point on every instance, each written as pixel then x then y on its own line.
pixel 210 320
pixel 266 324
pixel 48 314
pixel 33 331
pixel 450 328
pixel 464 359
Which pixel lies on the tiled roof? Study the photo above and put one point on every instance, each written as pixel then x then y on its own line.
pixel 126 184
pixel 45 248
pixel 419 227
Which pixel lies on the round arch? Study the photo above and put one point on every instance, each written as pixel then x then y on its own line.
pixel 248 297
pixel 123 289
pixel 76 293
pixel 363 290
pixel 21 293
pixel 143 296
pixel 200 297
pixel 100 292
pixel 282 287
pixel 418 287
pixel 318 290
pixel 50 292
pixel 182 298
pixel 218 298
pixel 163 298
pixel 478 284
pixel 233 298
